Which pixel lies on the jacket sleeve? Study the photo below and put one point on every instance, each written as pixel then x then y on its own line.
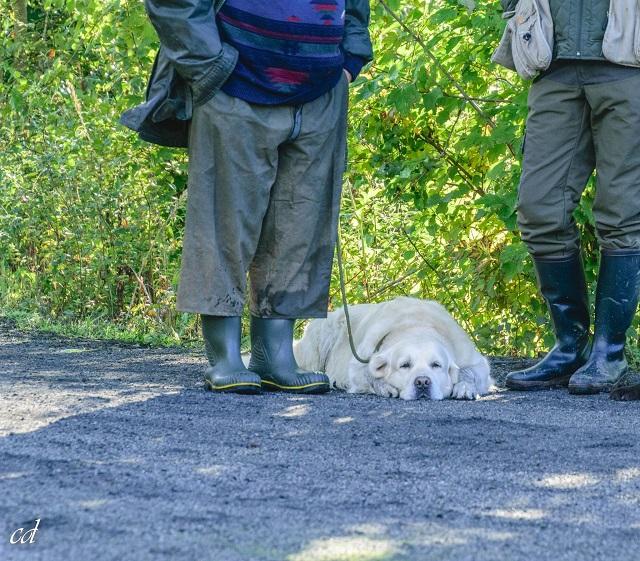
pixel 356 43
pixel 508 5
pixel 190 39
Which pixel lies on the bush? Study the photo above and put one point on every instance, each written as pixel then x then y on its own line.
pixel 91 218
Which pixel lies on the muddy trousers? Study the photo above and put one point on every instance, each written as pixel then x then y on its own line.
pixel 582 116
pixel 263 200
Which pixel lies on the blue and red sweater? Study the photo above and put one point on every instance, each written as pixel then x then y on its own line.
pixel 289 50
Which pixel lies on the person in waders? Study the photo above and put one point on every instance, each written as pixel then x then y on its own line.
pixel 584 115
pixel 258 92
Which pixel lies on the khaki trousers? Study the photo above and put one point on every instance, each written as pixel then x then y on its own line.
pixel 263 199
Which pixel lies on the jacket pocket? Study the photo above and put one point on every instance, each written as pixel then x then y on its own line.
pixel 621 42
pixel 532 38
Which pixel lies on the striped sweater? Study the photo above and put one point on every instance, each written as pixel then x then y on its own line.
pixel 289 50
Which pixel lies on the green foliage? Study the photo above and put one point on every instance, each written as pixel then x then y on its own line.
pixel 91 218
pixel 435 162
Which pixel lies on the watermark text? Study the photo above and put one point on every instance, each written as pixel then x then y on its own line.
pixel 22 536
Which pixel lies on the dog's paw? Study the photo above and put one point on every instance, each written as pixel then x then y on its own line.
pixel 384 390
pixel 392 392
pixel 464 390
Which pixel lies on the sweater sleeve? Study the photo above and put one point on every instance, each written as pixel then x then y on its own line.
pixel 188 32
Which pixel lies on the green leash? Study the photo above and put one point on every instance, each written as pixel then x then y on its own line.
pixel 344 302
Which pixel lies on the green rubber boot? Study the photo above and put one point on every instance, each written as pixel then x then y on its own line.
pixel 272 358
pixel 226 371
pixel 616 304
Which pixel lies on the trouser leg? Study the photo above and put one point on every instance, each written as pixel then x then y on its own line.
pixel 558 161
pixel 233 160
pixel 615 122
pixel 291 272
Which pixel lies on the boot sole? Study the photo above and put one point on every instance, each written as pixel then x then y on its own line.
pixel 316 387
pixel 243 388
pixel 590 390
pixel 535 386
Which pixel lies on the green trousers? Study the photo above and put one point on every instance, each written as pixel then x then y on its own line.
pixel 582 116
pixel 263 200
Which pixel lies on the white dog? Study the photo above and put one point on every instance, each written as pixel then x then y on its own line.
pixel 414 347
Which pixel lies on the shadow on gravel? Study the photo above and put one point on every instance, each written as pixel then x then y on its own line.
pixel 198 476
pixel 123 456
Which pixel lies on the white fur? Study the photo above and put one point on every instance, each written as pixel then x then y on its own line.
pixel 415 338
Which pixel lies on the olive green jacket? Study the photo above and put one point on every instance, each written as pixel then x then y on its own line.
pixel 579 27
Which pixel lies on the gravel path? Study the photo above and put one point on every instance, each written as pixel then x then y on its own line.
pixel 122 456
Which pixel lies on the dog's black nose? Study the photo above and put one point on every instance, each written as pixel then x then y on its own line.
pixel 423 385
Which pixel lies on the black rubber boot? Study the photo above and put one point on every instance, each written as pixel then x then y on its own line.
pixel 616 304
pixel 226 372
pixel 272 358
pixel 563 286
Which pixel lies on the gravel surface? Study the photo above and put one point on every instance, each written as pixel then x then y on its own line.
pixel 122 456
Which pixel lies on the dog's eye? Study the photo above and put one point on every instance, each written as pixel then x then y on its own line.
pixel 405 365
pixel 436 365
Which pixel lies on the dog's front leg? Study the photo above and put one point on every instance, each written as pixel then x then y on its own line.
pixel 465 387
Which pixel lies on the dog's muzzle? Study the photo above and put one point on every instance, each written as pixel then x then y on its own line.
pixel 423 387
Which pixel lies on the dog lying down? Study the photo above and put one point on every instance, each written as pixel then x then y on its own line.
pixel 415 350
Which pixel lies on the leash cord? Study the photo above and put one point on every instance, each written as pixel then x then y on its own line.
pixel 344 302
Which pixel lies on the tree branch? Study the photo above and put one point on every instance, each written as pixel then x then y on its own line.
pixel 20 13
pixel 470 100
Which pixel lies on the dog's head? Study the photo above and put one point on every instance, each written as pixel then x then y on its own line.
pixel 417 367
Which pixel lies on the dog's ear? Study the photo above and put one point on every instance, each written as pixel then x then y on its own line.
pixel 379 365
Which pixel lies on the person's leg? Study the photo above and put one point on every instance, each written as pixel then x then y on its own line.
pixel 558 161
pixel 615 125
pixel 291 273
pixel 233 159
